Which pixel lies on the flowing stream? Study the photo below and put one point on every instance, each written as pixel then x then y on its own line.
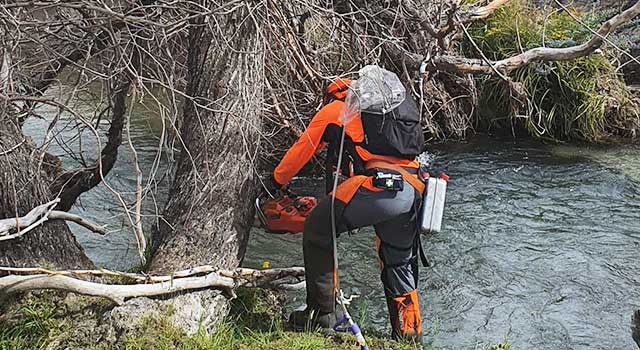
pixel 539 245
pixel 118 249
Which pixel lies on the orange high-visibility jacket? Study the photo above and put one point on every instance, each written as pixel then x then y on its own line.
pixel 311 141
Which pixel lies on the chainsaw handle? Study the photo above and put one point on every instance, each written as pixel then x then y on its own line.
pixel 258 205
pixel 286 191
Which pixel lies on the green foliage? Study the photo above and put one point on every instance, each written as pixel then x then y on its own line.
pixel 31 325
pixel 159 335
pixel 578 99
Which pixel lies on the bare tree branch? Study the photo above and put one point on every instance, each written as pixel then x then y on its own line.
pixel 239 273
pixel 63 215
pixel 15 227
pixel 117 293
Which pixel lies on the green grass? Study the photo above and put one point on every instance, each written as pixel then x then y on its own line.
pixel 31 325
pixel 581 99
pixel 254 323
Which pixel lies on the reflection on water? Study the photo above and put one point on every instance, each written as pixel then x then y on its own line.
pixel 540 247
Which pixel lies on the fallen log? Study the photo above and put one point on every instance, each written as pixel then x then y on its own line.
pixel 271 274
pixel 226 280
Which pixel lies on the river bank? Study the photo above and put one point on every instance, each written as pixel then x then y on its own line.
pixel 52 321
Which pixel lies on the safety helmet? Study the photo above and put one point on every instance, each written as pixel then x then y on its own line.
pixel 336 90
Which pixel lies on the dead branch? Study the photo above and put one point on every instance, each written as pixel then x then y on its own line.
pixel 485 11
pixel 239 273
pixel 283 286
pixel 137 221
pixel 12 228
pixel 78 273
pixel 156 285
pixel 16 227
pixel 63 215
pixel 117 293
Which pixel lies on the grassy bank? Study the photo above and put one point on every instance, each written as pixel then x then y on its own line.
pixel 581 99
pixel 50 321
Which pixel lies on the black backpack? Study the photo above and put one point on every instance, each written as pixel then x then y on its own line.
pixel 396 133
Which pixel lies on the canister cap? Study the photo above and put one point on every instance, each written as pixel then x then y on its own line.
pixel 444 176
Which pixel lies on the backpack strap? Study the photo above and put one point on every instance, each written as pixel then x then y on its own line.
pixel 417 246
pixel 406 176
pixel 352 163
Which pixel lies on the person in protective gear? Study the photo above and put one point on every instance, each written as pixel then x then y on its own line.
pixel 359 201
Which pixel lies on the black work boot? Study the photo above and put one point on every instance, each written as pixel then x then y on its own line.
pixel 311 320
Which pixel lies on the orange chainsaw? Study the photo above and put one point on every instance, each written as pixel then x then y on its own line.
pixel 285 214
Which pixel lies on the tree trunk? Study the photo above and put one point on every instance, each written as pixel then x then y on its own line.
pixel 210 210
pixel 23 186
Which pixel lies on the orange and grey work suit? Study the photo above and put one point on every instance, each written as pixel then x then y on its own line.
pixel 357 204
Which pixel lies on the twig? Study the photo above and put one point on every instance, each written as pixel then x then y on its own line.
pixel 137 227
pixel 484 57
pixel 12 148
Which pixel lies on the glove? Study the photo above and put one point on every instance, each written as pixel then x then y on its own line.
pixel 272 188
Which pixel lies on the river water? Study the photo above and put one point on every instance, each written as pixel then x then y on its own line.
pixel 539 245
pixel 118 249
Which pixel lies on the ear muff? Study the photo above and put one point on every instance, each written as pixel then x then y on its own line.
pixel 336 90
